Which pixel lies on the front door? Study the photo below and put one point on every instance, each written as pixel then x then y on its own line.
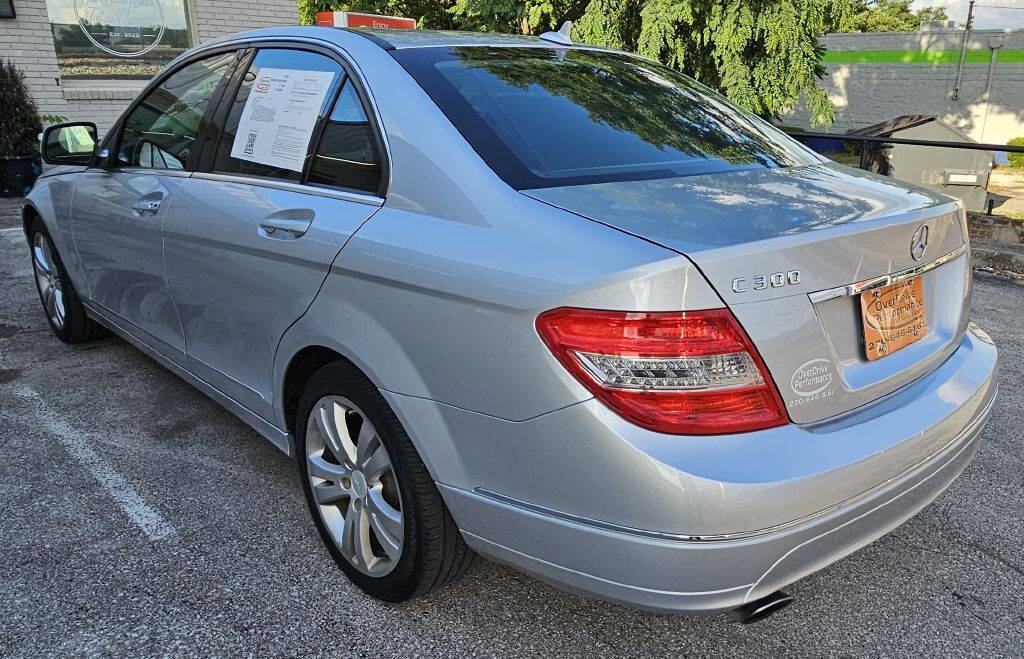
pixel 119 210
pixel 249 243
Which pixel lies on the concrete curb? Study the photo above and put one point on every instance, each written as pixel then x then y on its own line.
pixel 999 257
pixel 997 244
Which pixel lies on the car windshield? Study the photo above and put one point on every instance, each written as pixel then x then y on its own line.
pixel 543 117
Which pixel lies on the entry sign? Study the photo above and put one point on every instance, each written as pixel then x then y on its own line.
pixel 356 19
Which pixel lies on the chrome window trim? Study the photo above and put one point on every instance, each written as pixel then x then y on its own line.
pixel 136 169
pixel 878 282
pixel 290 186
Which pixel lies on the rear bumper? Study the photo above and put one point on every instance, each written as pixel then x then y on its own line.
pixel 624 567
pixel 771 516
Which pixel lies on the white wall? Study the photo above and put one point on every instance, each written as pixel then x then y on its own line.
pixel 867 93
pixel 28 41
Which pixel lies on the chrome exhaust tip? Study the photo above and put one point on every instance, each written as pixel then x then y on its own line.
pixel 760 609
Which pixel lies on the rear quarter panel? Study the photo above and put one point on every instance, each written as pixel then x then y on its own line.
pixel 441 309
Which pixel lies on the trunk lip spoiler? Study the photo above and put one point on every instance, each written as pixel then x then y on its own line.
pixel 884 280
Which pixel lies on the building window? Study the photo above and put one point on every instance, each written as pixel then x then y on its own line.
pixel 117 38
pixel 7 9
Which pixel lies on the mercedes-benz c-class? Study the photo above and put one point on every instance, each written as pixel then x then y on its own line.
pixel 550 303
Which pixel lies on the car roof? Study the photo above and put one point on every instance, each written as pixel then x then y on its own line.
pixel 397 39
pixel 429 38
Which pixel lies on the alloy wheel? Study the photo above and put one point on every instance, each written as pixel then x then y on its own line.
pixel 354 486
pixel 51 288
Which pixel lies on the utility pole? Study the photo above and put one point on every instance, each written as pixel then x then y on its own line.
pixel 963 50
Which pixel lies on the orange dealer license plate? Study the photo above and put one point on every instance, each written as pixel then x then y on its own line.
pixel 893 317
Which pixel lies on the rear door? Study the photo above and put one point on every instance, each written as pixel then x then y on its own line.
pixel 119 209
pixel 250 238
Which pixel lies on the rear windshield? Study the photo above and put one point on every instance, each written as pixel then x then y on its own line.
pixel 543 117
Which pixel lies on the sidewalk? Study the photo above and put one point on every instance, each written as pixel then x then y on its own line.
pixel 10 212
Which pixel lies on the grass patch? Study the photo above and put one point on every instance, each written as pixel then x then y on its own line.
pixel 846 158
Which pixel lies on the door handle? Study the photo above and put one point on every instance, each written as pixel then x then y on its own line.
pixel 280 226
pixel 146 206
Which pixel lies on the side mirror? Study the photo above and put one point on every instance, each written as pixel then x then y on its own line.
pixel 69 144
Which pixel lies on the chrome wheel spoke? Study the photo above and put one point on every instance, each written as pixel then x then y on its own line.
pixel 41 267
pixel 352 482
pixel 355 539
pixel 58 305
pixel 48 299
pixel 41 254
pixel 335 485
pixel 386 522
pixel 42 281
pixel 328 493
pixel 367 441
pixel 328 471
pixel 51 303
pixel 330 418
pixel 47 280
pixel 48 254
pixel 377 464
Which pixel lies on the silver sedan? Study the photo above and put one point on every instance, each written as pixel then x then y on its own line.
pixel 549 303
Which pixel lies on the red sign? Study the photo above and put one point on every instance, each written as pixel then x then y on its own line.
pixel 356 19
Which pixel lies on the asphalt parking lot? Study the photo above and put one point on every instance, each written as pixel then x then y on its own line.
pixel 138 517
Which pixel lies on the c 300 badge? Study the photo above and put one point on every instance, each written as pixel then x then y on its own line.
pixel 769 280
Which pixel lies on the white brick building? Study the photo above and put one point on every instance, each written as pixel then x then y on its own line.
pixel 99 89
pixel 873 77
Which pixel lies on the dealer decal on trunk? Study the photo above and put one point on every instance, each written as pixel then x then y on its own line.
pixel 812 381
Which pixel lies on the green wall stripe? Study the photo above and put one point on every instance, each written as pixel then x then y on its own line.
pixel 917 56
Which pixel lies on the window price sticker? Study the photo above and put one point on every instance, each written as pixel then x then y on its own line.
pixel 279 115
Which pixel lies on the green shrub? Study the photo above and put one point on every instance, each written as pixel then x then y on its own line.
pixel 1016 159
pixel 19 121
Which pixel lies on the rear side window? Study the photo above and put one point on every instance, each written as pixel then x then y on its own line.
pixel 161 131
pixel 544 117
pixel 347 156
pixel 279 150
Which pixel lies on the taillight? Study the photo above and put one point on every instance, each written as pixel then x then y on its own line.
pixel 687 373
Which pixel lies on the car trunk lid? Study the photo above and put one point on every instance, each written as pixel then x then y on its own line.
pixel 786 250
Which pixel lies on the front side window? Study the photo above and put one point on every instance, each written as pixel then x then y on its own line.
pixel 543 117
pixel 273 116
pixel 117 38
pixel 161 131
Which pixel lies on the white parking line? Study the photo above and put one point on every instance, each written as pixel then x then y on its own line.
pixel 144 516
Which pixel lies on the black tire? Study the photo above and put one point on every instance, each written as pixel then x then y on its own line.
pixel 77 326
pixel 433 550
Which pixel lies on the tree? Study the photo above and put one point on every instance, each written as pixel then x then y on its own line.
pixel 888 16
pixel 762 54
pixel 522 16
pixel 19 122
pixel 637 97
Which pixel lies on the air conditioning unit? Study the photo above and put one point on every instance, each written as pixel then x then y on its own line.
pixel 928 26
